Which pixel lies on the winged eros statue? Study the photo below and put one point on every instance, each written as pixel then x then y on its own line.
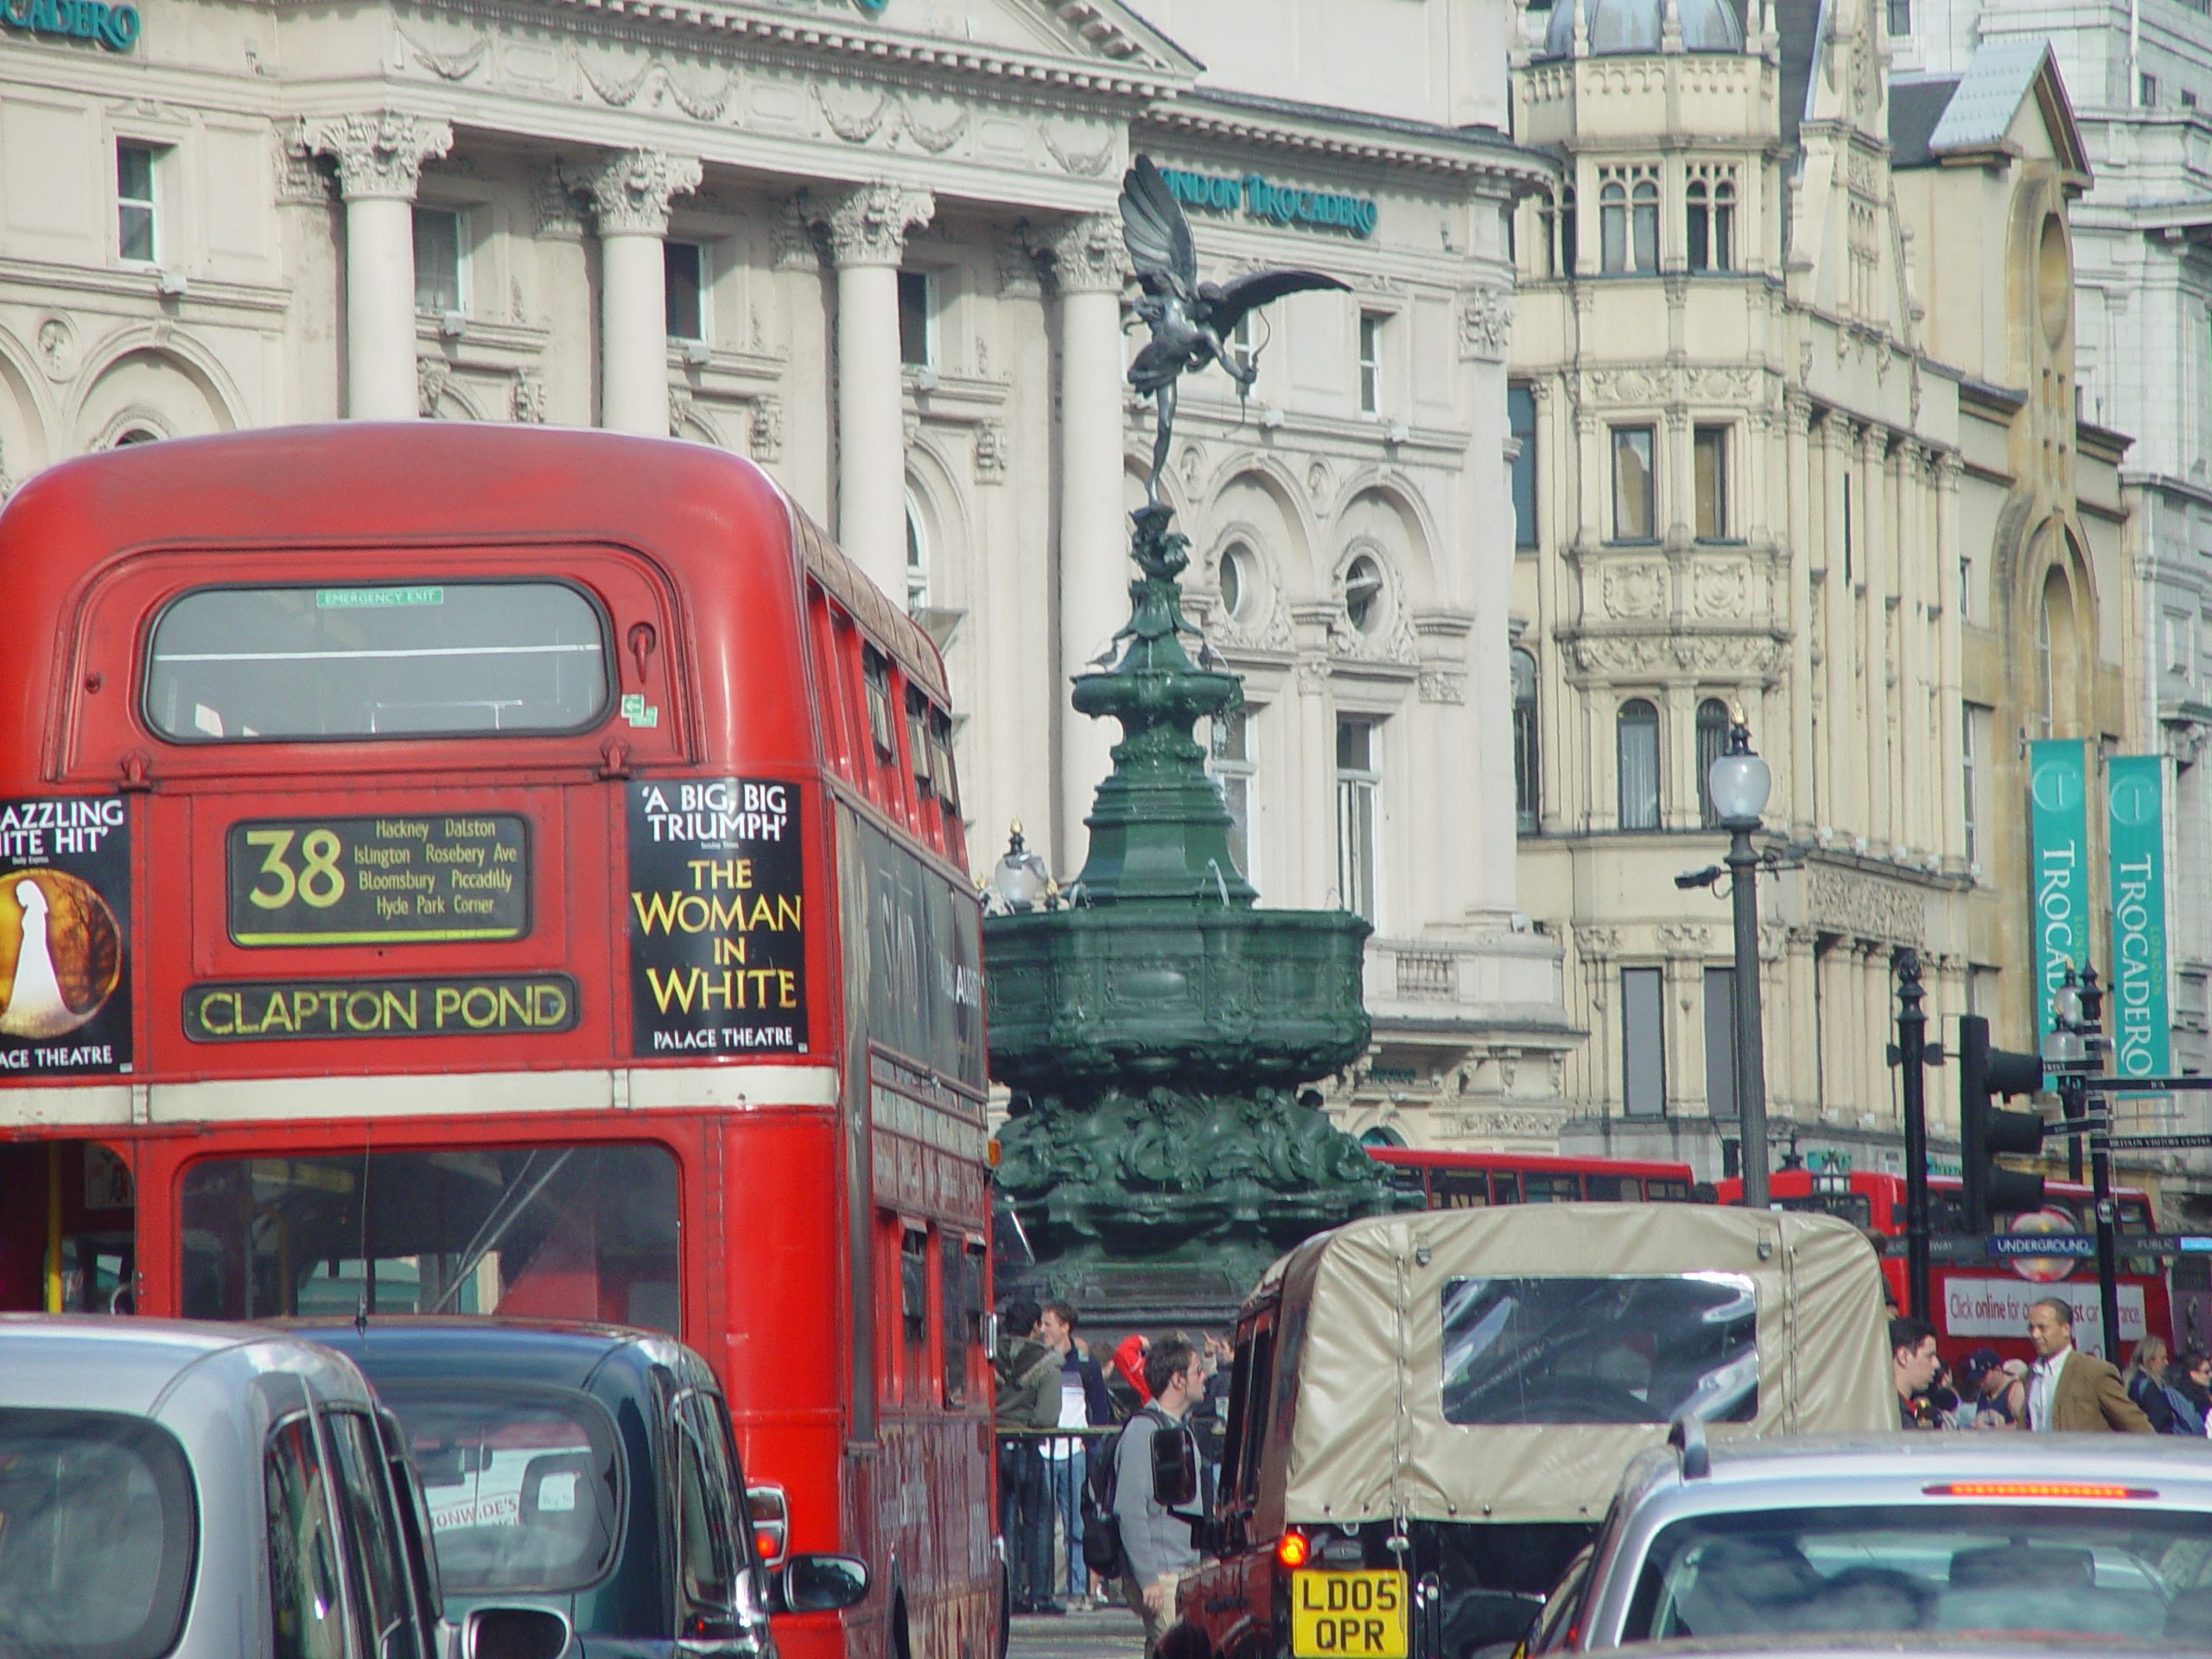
pixel 1188 318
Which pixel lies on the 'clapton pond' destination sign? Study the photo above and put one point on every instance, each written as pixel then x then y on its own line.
pixel 405 879
pixel 479 1006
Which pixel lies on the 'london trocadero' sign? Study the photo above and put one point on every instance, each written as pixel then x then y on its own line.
pixel 114 27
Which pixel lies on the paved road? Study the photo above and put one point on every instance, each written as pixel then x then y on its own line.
pixel 1113 1633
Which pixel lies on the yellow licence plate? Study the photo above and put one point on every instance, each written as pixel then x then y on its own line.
pixel 1348 1615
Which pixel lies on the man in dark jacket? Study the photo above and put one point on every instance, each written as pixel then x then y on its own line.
pixel 1028 1398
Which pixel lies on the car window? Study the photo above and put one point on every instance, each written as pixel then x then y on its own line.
pixel 380 1561
pixel 99 1530
pixel 1624 1349
pixel 707 1548
pixel 2132 1572
pixel 307 1605
pixel 524 1485
pixel 1555 1626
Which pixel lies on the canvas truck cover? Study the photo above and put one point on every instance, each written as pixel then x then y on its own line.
pixel 1505 1365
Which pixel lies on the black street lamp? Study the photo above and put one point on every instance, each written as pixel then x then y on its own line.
pixel 1739 782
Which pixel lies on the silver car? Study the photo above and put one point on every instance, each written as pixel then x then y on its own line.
pixel 173 1489
pixel 2103 1540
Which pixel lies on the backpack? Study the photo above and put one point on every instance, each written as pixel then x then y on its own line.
pixel 1102 1527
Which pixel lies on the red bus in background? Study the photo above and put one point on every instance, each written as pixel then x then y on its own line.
pixel 493 869
pixel 1467 1180
pixel 1985 1305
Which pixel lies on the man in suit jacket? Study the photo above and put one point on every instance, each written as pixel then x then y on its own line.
pixel 2069 1391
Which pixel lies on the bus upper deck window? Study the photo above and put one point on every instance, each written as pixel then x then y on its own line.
pixel 242 664
pixel 875 671
pixel 918 743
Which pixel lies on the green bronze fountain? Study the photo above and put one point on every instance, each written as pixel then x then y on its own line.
pixel 1155 1027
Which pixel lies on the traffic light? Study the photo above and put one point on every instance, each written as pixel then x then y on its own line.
pixel 1985 1131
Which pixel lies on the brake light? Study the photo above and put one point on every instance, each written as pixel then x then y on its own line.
pixel 771 1517
pixel 2038 1488
pixel 1293 1549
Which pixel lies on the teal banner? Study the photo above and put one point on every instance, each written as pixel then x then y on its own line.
pixel 2059 835
pixel 2135 800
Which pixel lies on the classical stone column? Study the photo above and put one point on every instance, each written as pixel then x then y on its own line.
pixel 866 229
pixel 631 192
pixel 1095 572
pixel 380 155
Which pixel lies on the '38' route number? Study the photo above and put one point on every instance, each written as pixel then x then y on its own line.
pixel 319 883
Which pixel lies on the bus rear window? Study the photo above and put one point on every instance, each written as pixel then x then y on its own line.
pixel 246 665
pixel 1600 1351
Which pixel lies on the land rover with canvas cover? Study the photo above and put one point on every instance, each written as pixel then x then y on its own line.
pixel 1429 1412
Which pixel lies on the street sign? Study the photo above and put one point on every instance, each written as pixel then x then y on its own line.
pixel 2006 1245
pixel 2156 1142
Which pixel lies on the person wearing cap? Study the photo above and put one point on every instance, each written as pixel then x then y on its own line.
pixel 1992 1392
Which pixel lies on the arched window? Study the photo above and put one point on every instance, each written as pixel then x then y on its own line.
pixel 2055 656
pixel 1636 745
pixel 1724 226
pixel 1525 804
pixel 1381 1136
pixel 1612 226
pixel 136 435
pixel 1712 738
pixel 1566 232
pixel 1363 594
pixel 1699 214
pixel 917 562
pixel 1646 219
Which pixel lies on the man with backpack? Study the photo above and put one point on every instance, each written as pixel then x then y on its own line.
pixel 1157 1550
pixel 1028 1398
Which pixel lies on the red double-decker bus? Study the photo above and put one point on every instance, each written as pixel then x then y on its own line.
pixel 478 869
pixel 1986 1305
pixel 1464 1180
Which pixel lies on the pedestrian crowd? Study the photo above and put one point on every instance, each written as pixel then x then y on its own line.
pixel 2063 1389
pixel 1061 1497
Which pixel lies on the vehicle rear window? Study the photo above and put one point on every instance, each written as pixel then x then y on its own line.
pixel 2056 1569
pixel 99 1532
pixel 524 1484
pixel 549 1232
pixel 1600 1351
pixel 430 658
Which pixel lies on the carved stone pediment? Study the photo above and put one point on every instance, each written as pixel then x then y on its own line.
pixel 1865 905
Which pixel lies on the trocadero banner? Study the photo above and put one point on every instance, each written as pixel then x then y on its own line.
pixel 2058 824
pixel 65 941
pixel 2134 790
pixel 716 918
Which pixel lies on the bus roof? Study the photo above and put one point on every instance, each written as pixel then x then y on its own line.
pixel 1537 1162
pixel 1798 1183
pixel 432 484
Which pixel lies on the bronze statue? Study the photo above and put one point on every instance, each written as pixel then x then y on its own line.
pixel 1189 318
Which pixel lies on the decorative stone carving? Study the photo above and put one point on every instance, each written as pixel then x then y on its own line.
pixel 1018 277
pixel 1721 588
pixel 1087 255
pixel 1597 943
pixel 1741 657
pixel 766 434
pixel 855 126
pixel 1684 939
pixel 57 348
pixel 431 374
pixel 791 244
pixel 1082 165
pixel 379 153
pixel 631 191
pixel 1864 906
pixel 1319 482
pixel 1633 589
pixel 300 180
pixel 1314 675
pixel 1486 324
pixel 868 225
pixel 1442 685
pixel 679 409
pixel 936 138
pixel 559 201
pixel 990 452
pixel 449 66
pixel 530 398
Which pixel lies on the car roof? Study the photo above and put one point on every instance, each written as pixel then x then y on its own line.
pixel 395 1352
pixel 124 1363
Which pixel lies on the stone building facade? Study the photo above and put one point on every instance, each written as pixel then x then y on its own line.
pixel 873 245
pixel 1780 461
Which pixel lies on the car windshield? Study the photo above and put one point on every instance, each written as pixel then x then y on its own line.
pixel 524 1484
pixel 98 1527
pixel 1600 1351
pixel 2140 1574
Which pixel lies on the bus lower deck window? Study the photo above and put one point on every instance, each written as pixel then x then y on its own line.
pixel 422 659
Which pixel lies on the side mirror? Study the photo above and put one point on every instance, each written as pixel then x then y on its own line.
pixel 1175 1470
pixel 820 1584
pixel 514 1633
